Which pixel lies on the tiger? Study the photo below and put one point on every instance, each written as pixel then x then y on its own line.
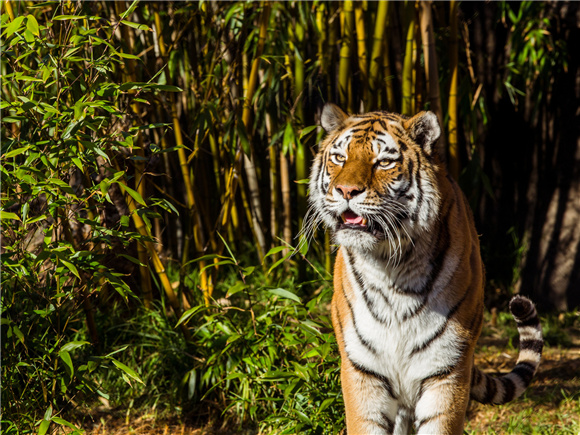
pixel 408 301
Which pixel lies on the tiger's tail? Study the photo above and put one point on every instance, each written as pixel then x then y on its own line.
pixel 502 389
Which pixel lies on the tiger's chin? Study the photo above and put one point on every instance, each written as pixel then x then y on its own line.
pixel 360 237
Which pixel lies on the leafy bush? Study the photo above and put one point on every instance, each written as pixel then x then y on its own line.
pixel 66 230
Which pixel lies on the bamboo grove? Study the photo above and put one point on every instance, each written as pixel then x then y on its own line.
pixel 218 106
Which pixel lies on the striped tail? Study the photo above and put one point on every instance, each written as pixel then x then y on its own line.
pixel 501 389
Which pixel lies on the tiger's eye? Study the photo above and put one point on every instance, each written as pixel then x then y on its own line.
pixel 339 158
pixel 386 164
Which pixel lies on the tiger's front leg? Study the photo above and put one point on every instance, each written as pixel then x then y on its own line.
pixel 443 403
pixel 369 404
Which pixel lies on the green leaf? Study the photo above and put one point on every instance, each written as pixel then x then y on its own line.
pixel 65 356
pixel 43 428
pixel 307 130
pixel 14 26
pixel 63 422
pixel 185 316
pixel 136 25
pixel 71 267
pixel 130 372
pixel 69 17
pixel 8 215
pixel 133 193
pixel 130 10
pixel 16 152
pixel 285 294
pixel 275 250
pixel 236 288
pixel 32 25
pixel 72 345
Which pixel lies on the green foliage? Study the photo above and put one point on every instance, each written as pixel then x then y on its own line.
pixel 263 352
pixel 63 134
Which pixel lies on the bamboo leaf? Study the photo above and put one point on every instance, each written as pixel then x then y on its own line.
pixel 136 25
pixel 133 193
pixel 9 216
pixel 285 294
pixel 65 356
pixel 127 370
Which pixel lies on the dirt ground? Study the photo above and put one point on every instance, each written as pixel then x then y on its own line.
pixel 558 377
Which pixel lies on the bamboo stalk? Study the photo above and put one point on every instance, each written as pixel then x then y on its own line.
pixel 361 48
pixel 286 199
pixel 453 60
pixel 431 70
pixel 376 52
pixel 233 175
pixel 157 263
pixel 140 181
pixel 388 74
pixel 344 82
pixel 301 157
pixel 8 6
pixel 416 96
pixel 407 103
pixel 322 24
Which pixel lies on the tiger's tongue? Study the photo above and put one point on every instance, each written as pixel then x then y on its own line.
pixel 352 218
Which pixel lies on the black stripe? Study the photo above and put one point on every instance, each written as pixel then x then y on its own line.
pixel 384 423
pixel 525 371
pixel 442 328
pixel 382 123
pixel 441 374
pixel 402 144
pixel 412 313
pixel 533 345
pixel 359 129
pixel 533 321
pixel 509 389
pixel 386 383
pixel 427 420
pixel 363 340
pixel 490 389
pixel 364 291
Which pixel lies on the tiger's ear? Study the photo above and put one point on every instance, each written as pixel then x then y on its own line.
pixel 424 130
pixel 332 117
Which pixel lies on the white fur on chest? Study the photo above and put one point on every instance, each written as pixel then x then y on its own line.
pixel 390 326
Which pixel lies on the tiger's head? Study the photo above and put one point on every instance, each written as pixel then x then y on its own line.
pixel 373 182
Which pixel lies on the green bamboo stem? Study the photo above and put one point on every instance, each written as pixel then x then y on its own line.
pixel 408 88
pixel 453 60
pixel 344 82
pixel 376 52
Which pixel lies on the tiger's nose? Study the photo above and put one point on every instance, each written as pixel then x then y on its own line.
pixel 349 192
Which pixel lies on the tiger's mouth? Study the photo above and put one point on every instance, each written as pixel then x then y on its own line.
pixel 349 220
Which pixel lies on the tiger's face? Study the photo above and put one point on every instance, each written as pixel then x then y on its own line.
pixel 373 182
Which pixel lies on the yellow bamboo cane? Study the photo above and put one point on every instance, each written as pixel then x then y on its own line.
pixel 234 173
pixel 361 48
pixel 453 60
pixel 157 263
pixel 8 7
